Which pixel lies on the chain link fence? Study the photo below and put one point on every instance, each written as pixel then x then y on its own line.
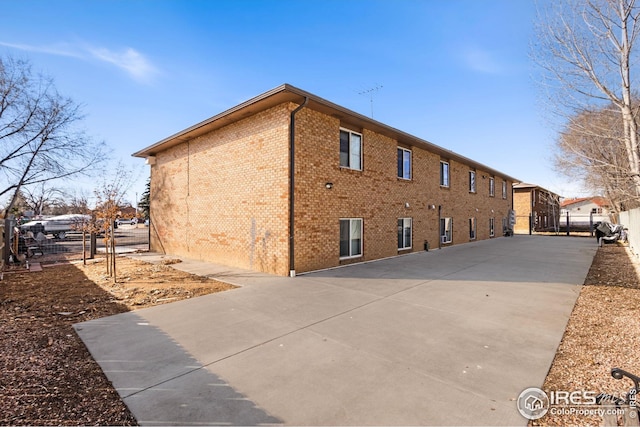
pixel 20 245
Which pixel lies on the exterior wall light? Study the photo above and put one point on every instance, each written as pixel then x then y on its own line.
pixel 328 185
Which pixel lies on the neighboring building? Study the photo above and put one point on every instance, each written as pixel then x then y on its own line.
pixel 537 209
pixel 127 212
pixel 227 189
pixel 584 212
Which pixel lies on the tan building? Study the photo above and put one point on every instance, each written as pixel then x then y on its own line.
pixel 536 208
pixel 229 190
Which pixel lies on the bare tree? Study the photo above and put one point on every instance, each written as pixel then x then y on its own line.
pixel 39 136
pixel 87 223
pixel 78 202
pixel 591 147
pixel 20 205
pixel 41 196
pixel 109 198
pixel 587 49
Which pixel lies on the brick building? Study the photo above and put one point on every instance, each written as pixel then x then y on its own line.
pixel 537 209
pixel 222 190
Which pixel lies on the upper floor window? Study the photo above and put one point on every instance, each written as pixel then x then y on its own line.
pixel 492 186
pixel 504 189
pixel 350 149
pixel 444 174
pixel 404 163
pixel 472 181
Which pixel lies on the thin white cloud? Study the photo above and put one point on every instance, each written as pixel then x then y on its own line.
pixel 136 65
pixel 129 60
pixel 482 61
pixel 59 49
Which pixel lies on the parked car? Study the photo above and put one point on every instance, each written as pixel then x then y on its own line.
pixel 130 221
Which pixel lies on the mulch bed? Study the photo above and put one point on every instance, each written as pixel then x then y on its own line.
pixel 602 333
pixel 47 375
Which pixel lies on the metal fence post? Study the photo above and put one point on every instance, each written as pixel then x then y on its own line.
pixel 92 245
pixel 567 223
pixel 8 231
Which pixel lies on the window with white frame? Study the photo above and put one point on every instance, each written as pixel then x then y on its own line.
pixel 472 228
pixel 504 189
pixel 472 181
pixel 404 163
pixel 404 233
pixel 350 238
pixel 444 174
pixel 446 230
pixel 492 186
pixel 350 149
pixel 492 230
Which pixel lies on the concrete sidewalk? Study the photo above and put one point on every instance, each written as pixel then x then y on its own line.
pixel 447 337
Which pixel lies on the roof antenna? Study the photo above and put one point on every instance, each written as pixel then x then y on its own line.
pixel 370 93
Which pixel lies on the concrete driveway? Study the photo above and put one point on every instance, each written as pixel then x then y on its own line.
pixel 449 336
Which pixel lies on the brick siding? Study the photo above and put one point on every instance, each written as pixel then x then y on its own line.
pixel 379 197
pixel 223 196
pixel 522 206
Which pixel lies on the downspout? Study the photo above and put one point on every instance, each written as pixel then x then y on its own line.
pixel 439 231
pixel 292 172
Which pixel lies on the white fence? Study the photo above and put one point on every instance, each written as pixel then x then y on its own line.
pixel 631 220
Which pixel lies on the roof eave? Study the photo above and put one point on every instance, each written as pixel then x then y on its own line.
pixel 288 93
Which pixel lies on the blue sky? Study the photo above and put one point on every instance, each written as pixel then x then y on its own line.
pixel 454 72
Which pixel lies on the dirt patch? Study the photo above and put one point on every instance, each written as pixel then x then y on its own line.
pixel 48 376
pixel 602 334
